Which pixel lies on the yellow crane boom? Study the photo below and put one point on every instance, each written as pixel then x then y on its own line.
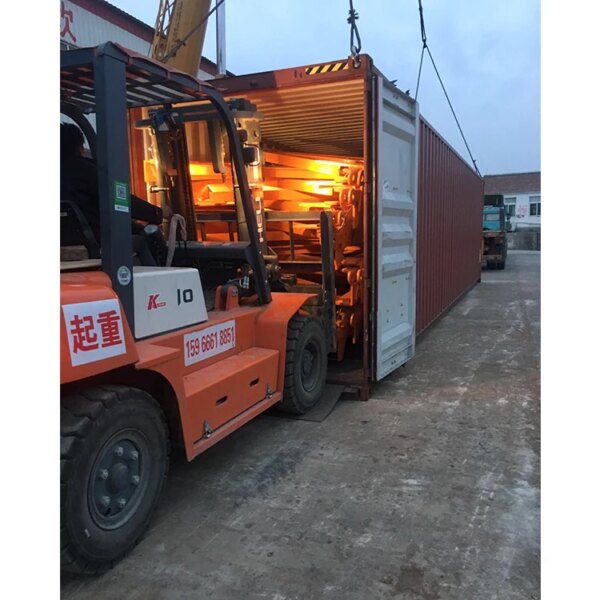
pixel 179 33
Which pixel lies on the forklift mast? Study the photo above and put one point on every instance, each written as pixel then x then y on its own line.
pixel 169 142
pixel 178 41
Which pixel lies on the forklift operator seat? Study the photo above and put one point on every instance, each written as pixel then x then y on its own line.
pixel 75 230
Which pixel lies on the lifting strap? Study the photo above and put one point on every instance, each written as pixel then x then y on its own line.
pixel 426 47
pixel 176 221
pixel 354 47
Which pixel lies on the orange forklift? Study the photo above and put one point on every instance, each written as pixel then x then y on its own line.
pixel 181 353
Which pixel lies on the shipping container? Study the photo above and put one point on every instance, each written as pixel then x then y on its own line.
pixel 338 180
pixel 449 227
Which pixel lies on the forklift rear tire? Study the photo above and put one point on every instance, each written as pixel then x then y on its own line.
pixel 114 456
pixel 305 365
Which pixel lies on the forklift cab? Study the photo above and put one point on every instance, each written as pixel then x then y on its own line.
pixel 107 81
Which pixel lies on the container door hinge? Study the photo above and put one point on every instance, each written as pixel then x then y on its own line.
pixel 269 391
pixel 207 430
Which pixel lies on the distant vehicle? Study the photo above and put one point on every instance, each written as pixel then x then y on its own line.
pixel 494 231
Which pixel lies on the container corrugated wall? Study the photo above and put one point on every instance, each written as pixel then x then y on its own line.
pixel 448 227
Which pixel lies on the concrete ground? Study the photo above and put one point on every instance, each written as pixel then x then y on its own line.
pixel 431 490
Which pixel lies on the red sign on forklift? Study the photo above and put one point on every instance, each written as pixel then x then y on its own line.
pixel 94 330
pixel 213 340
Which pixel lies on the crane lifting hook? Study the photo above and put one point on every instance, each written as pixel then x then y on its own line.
pixel 354 48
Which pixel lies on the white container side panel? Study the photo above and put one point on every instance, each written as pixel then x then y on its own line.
pixel 396 202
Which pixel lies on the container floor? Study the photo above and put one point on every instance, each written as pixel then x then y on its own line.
pixel 429 490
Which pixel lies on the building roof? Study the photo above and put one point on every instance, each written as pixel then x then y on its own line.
pixel 513 183
pixel 111 13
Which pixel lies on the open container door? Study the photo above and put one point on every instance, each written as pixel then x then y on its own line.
pixel 395 208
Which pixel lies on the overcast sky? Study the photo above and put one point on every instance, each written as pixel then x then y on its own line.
pixel 487 53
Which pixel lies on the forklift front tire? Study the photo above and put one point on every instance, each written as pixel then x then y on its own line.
pixel 113 463
pixel 305 366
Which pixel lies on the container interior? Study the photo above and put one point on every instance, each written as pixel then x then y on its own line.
pixel 308 176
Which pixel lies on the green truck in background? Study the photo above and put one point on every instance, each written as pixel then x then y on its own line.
pixel 494 231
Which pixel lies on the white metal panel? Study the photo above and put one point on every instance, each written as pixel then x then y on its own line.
pixel 166 298
pixel 396 209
